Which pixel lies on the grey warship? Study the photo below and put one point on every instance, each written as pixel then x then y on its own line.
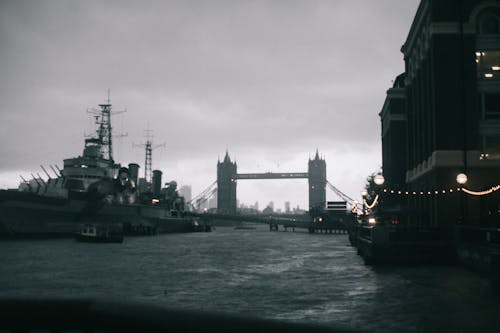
pixel 92 188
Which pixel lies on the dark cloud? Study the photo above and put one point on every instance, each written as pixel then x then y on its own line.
pixel 267 79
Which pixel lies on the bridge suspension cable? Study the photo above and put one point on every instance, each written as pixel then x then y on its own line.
pixel 204 192
pixel 340 193
pixel 205 198
pixel 204 195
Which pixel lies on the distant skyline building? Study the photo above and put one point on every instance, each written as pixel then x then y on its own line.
pixel 269 209
pixel 287 207
pixel 298 210
pixel 186 192
pixel 144 186
pixel 212 202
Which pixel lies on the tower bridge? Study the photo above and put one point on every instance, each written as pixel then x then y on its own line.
pixel 227 177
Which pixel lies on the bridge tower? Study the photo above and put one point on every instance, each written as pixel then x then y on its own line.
pixel 226 185
pixel 317 183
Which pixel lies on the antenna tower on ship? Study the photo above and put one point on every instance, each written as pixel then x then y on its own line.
pixel 148 163
pixel 104 131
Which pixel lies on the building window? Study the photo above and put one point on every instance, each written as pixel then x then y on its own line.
pixel 488 24
pixel 487 45
pixel 491 109
pixel 489 125
pixel 491 147
pixel 488 64
pixel 487 56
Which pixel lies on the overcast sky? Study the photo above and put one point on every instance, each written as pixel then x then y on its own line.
pixel 270 81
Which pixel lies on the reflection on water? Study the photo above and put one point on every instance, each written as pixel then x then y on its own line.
pixel 288 276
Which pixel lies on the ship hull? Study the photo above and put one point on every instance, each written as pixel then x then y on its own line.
pixel 26 215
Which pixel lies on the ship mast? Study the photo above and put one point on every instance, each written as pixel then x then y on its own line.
pixel 104 131
pixel 148 163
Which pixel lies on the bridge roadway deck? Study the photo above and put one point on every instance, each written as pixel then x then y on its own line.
pixel 262 218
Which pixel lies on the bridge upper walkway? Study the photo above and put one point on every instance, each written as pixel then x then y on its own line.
pixel 272 175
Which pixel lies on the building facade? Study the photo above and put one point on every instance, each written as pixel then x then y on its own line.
pixel 394 123
pixel 444 110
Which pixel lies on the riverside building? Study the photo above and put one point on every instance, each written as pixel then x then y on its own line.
pixel 441 118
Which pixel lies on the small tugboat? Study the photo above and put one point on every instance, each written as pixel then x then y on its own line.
pixel 95 233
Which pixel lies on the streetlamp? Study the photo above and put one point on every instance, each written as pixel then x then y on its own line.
pixel 364 193
pixel 461 180
pixel 379 180
pixel 354 209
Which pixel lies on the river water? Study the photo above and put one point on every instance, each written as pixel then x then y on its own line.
pixel 292 276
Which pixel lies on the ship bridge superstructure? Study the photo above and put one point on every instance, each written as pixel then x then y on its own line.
pixel 97 159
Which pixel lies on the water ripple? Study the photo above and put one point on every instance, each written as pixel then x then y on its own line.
pixel 281 275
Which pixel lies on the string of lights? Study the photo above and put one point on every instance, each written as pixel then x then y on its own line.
pixel 441 192
pixel 435 192
pixel 427 192
pixel 374 202
pixel 481 193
